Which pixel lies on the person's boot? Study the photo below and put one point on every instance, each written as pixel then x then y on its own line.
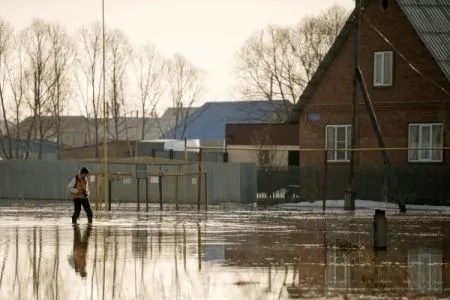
pixel 90 219
pixel 74 220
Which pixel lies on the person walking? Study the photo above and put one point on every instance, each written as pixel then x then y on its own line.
pixel 79 187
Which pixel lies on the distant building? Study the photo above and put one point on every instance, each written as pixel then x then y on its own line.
pixel 208 122
pixel 75 130
pixel 24 149
pixel 276 141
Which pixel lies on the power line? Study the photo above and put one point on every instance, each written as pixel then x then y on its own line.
pixel 402 56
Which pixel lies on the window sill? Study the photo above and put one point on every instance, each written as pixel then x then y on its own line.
pixel 383 85
pixel 425 162
pixel 338 161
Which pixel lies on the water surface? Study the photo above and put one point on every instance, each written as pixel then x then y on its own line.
pixel 226 253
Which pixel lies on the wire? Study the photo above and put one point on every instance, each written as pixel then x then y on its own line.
pixel 410 64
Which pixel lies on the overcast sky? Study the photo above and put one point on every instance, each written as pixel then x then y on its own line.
pixel 207 32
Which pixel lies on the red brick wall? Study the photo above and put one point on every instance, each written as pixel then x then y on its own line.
pixel 268 134
pixel 411 99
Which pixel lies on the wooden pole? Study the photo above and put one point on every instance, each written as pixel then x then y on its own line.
pixel 199 179
pixel 177 200
pixel 138 193
pixel 376 126
pixel 160 192
pixel 206 190
pixel 350 192
pixel 98 192
pixel 105 111
pixel 146 192
pixel 325 179
pixel 109 194
pixel 199 246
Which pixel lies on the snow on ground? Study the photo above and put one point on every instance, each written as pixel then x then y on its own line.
pixel 360 205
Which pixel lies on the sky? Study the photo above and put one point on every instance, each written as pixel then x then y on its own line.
pixel 207 32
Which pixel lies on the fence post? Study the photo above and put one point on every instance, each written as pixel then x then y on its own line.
pixel 206 191
pixel 138 193
pixel 380 229
pixel 109 194
pixel 177 200
pixel 325 179
pixel 146 192
pixel 160 192
pixel 199 179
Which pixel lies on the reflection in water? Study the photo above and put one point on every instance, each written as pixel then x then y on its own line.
pixel 425 270
pixel 227 256
pixel 338 273
pixel 80 246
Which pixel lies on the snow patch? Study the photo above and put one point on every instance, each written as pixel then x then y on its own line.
pixel 360 205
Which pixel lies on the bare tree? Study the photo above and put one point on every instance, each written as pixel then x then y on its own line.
pixel 149 70
pixel 38 49
pixel 267 67
pixel 6 45
pixel 18 86
pixel 186 84
pixel 314 35
pixel 276 62
pixel 266 156
pixel 90 63
pixel 119 50
pixel 60 84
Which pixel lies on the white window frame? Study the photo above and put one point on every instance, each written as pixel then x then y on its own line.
pixel 334 154
pixel 383 55
pixel 420 153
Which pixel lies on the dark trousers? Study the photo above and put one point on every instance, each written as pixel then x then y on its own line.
pixel 86 206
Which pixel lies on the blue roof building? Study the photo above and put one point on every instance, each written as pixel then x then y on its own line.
pixel 208 122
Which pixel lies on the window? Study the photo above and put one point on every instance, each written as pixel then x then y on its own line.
pixel 382 70
pixel 338 137
pixel 425 136
pixel 339 272
pixel 425 270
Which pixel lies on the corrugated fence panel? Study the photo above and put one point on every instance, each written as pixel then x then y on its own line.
pixel 224 182
pixel 47 180
pixel 35 179
pixel 248 182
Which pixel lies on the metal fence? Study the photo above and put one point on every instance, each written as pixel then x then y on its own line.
pixel 416 184
pixel 230 182
pixel 47 180
pixel 293 174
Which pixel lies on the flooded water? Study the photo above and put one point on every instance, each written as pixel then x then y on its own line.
pixel 227 253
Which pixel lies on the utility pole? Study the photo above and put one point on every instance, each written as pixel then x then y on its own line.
pixel 105 114
pixel 359 85
pixel 349 198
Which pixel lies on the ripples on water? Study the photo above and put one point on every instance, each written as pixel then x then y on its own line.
pixel 222 254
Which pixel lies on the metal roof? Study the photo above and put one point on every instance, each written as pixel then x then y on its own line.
pixel 209 121
pixel 431 20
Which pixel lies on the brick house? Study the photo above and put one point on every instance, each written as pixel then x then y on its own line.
pixel 405 62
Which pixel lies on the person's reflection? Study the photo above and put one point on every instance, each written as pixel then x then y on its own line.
pixel 80 246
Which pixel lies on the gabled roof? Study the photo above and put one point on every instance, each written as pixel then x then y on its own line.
pixel 208 122
pixel 431 21
pixel 171 112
